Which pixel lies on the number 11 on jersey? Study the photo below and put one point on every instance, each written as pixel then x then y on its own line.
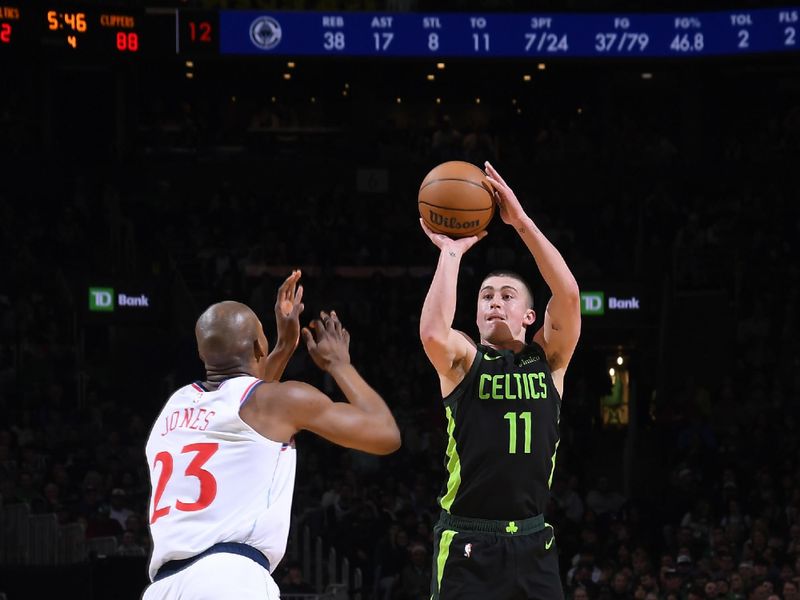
pixel 511 417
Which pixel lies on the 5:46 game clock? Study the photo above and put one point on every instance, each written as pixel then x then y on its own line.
pixel 104 31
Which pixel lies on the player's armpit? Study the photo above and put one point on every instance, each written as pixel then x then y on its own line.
pixel 340 422
pixel 561 330
pixel 449 355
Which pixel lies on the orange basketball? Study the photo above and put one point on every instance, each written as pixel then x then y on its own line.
pixel 456 199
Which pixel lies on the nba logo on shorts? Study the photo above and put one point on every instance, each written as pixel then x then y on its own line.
pixel 265 33
pixel 468 550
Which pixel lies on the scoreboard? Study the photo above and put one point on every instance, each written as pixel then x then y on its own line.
pixel 510 34
pixel 104 32
pixel 81 29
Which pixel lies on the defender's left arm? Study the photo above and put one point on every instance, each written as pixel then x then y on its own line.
pixel 562 320
pixel 288 306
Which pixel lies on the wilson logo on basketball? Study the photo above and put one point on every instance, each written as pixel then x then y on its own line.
pixel 452 222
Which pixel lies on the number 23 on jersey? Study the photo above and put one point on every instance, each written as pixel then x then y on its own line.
pixel 208 485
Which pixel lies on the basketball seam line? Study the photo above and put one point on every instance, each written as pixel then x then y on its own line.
pixel 464 231
pixel 450 208
pixel 478 185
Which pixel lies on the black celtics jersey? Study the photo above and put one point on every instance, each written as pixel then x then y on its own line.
pixel 502 426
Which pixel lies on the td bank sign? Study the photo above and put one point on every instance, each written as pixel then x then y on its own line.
pixel 103 299
pixel 596 303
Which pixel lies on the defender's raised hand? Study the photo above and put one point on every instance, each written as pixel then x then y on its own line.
pixel 328 341
pixel 288 306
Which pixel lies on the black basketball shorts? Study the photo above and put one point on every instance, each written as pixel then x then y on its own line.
pixel 476 559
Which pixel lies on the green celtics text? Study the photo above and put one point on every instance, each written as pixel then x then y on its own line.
pixel 512 386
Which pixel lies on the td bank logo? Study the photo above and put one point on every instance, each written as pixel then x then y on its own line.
pixel 593 303
pixel 101 299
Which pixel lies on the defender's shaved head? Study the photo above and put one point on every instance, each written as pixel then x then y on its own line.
pixel 229 337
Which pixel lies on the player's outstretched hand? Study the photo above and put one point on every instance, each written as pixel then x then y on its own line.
pixel 328 341
pixel 511 210
pixel 288 306
pixel 443 242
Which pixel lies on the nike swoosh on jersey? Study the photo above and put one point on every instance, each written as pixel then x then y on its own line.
pixel 550 543
pixel 485 357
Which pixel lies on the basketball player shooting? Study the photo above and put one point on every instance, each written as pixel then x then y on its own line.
pixel 221 453
pixel 502 400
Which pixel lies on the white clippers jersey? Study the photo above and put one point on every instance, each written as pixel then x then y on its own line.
pixel 214 478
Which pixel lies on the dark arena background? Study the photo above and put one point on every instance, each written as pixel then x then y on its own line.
pixel 156 157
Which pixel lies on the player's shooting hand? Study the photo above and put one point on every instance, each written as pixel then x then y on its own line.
pixel 328 341
pixel 511 210
pixel 445 243
pixel 288 306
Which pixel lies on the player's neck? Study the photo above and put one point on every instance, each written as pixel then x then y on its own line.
pixel 513 345
pixel 214 378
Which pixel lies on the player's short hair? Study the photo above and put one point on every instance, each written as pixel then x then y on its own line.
pixel 513 275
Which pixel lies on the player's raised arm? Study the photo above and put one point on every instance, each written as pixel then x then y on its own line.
pixel 288 306
pixel 365 422
pixel 447 349
pixel 562 321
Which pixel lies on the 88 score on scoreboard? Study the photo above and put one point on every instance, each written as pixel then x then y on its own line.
pixel 80 30
pixel 101 31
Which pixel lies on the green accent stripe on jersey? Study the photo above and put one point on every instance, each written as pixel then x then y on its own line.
pixel 553 468
pixel 444 552
pixel 453 463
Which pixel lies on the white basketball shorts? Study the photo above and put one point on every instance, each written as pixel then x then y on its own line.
pixel 220 576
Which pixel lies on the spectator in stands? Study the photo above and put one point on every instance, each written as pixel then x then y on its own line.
pixel 619 588
pixel 580 593
pixel 567 500
pixel 26 492
pixel 129 546
pixel 391 555
pixel 53 503
pixel 790 591
pixel 294 582
pixel 118 511
pixel 415 577
pixel 602 499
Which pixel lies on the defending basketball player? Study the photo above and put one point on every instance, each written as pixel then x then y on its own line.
pixel 502 400
pixel 221 452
